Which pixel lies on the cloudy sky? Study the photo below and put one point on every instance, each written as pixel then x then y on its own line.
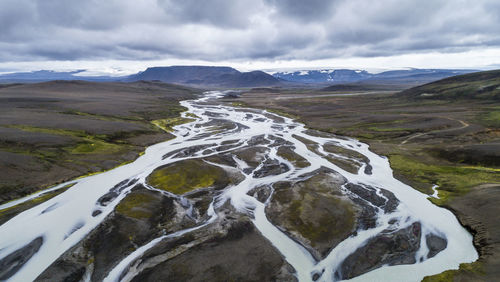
pixel 123 36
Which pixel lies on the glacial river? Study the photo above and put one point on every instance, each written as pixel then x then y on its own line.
pixel 61 222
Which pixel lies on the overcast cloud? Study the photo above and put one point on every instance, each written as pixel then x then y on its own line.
pixel 242 30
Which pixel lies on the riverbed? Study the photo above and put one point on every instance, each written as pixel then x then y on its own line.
pixel 45 232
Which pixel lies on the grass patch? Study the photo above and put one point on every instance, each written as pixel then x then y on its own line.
pixel 168 123
pixel 102 117
pixel 53 131
pixel 184 176
pixel 490 119
pixel 452 180
pixel 94 146
pixel 191 115
pixel 88 144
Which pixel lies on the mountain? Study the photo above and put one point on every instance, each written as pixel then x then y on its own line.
pixel 206 76
pixel 342 76
pixel 416 76
pixel 47 75
pixel 324 75
pixel 478 85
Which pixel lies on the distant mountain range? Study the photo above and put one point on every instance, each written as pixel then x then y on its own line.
pixel 48 75
pixel 337 76
pixel 227 77
pixel 324 76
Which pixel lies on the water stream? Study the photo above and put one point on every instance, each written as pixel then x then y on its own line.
pixel 66 219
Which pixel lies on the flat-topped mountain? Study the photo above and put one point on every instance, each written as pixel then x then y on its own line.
pixel 479 85
pixel 206 76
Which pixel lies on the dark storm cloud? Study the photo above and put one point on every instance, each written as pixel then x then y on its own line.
pixel 241 29
pixel 311 10
pixel 227 14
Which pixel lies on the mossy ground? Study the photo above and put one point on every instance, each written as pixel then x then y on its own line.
pixel 86 143
pixel 467 271
pixel 187 175
pixel 136 205
pixel 491 118
pixel 313 209
pixel 453 180
pixel 168 123
pixel 288 154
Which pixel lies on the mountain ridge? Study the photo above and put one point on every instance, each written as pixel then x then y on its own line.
pixel 337 76
pixel 478 85
pixel 212 76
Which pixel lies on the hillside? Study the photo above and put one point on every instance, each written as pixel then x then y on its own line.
pixel 479 85
pixel 58 130
pixel 206 76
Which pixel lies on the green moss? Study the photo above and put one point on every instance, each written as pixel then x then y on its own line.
pixel 191 115
pixel 136 205
pixel 88 144
pixel 325 225
pixel 187 175
pixel 466 269
pixel 491 119
pixel 94 146
pixel 103 117
pixel 452 180
pixel 313 211
pixel 168 123
pixel 53 131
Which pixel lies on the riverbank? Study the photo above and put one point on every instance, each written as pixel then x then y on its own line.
pixel 56 131
pixel 422 140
